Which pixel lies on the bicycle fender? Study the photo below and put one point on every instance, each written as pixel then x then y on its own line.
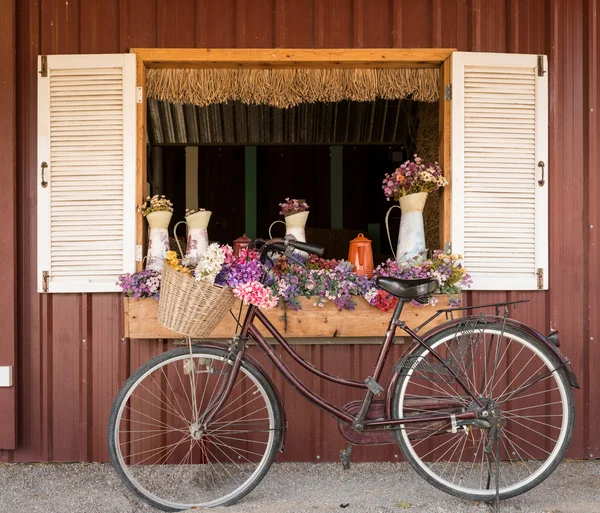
pixel 552 347
pixel 260 367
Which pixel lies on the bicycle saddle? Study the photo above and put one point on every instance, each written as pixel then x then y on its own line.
pixel 407 289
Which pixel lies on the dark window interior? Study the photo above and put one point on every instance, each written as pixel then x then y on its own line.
pixel 294 153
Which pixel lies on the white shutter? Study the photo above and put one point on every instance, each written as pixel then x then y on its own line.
pixel 499 136
pixel 87 138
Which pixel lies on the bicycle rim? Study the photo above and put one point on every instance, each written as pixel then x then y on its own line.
pixel 163 452
pixel 519 379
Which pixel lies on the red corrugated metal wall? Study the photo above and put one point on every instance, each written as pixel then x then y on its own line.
pixel 71 356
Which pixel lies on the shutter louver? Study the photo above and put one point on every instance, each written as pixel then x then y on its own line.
pixel 87 133
pixel 499 212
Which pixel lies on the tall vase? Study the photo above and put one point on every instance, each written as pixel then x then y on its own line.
pixel 197 235
pixel 411 239
pixel 158 239
pixel 294 225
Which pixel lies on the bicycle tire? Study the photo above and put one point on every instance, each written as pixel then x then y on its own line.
pixel 547 418
pixel 145 400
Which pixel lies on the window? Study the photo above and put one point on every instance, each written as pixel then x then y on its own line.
pixel 87 139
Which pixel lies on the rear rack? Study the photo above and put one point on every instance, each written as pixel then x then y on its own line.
pixel 450 311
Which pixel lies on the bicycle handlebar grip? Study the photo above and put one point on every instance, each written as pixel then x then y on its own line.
pixel 278 247
pixel 313 249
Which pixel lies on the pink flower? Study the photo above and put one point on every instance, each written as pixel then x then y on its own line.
pixel 255 293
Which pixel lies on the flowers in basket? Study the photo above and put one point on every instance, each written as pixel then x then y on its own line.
pixel 412 177
pixel 218 266
pixel 155 203
pixel 293 206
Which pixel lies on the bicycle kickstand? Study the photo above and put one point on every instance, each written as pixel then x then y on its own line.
pixel 345 455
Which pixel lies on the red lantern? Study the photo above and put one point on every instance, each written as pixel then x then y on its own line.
pixel 240 244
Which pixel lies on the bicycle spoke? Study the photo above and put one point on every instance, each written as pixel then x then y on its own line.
pixel 531 429
pixel 526 386
pixel 459 458
pixel 528 418
pixel 523 367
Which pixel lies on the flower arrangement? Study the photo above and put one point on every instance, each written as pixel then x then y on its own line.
pixel 325 280
pixel 155 203
pixel 189 212
pixel 144 283
pixel 293 206
pixel 412 177
pixel 446 267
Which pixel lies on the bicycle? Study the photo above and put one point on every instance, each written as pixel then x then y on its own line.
pixel 481 406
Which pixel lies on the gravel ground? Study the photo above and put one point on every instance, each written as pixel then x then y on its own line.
pixel 294 488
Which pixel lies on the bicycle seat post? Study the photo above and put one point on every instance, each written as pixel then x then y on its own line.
pixel 395 320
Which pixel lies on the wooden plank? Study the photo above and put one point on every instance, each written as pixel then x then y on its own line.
pixel 444 153
pixel 8 222
pixel 288 58
pixel 327 321
pixel 141 170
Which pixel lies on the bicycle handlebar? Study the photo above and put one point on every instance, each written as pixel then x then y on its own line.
pixel 284 245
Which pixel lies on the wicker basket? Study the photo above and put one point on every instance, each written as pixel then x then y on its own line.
pixel 193 308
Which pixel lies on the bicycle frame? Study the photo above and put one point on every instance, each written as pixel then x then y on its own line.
pixel 359 422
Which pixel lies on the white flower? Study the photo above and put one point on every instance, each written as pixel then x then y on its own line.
pixel 371 294
pixel 210 264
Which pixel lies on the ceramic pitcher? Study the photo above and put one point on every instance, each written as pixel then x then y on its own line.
pixel 294 225
pixel 197 236
pixel 158 239
pixel 411 239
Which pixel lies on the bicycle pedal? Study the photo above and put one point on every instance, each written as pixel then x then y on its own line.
pixel 373 386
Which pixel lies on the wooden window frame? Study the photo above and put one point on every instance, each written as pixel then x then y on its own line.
pixel 151 58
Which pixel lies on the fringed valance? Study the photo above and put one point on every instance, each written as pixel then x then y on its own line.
pixel 288 87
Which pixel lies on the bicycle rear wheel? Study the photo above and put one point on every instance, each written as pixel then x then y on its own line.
pixel 522 384
pixel 162 451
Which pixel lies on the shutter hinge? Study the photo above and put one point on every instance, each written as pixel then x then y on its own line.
pixel 448 247
pixel 540 278
pixel 138 253
pixel 448 92
pixel 44 66
pixel 540 67
pixel 6 376
pixel 138 94
pixel 45 279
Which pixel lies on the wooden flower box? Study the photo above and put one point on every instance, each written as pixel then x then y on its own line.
pixel 309 322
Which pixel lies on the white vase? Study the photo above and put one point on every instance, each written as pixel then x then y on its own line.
pixel 411 239
pixel 294 225
pixel 158 239
pixel 197 235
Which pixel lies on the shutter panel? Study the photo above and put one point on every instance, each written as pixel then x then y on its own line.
pixel 499 135
pixel 86 136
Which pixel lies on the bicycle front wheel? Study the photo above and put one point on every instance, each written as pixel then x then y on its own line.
pixel 525 390
pixel 160 447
